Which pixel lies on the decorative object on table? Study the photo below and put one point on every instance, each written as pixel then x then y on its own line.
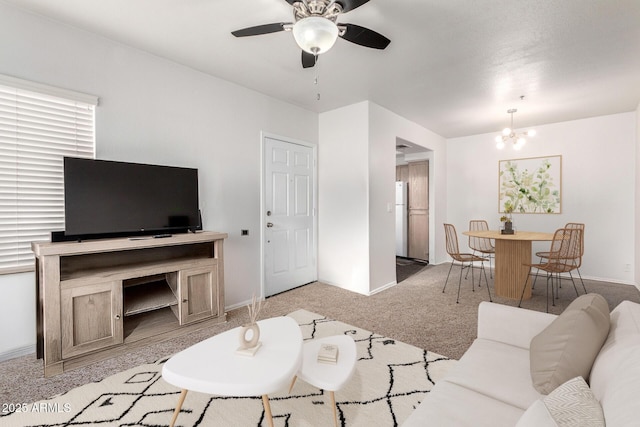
pixel 530 185
pixel 328 353
pixel 508 228
pixel 518 139
pixel 248 347
pixel 507 221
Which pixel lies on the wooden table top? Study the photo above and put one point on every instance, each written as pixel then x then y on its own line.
pixel 518 235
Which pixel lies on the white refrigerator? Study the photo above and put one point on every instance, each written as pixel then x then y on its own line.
pixel 401 218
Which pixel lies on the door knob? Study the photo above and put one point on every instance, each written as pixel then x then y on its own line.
pixel 269 224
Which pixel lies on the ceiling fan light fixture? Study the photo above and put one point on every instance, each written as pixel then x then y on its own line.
pixel 315 34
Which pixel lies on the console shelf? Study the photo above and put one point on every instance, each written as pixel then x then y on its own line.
pixel 98 298
pixel 147 297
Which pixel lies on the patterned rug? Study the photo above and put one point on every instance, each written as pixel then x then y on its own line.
pixel 390 380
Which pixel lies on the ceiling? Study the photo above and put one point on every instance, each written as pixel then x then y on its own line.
pixel 453 66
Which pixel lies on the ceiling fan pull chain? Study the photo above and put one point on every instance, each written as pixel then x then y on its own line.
pixel 316 81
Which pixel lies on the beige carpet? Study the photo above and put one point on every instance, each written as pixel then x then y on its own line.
pixel 389 381
pixel 415 312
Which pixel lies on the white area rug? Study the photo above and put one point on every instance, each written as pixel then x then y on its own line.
pixel 390 380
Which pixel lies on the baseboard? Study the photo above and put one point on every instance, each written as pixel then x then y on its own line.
pixel 238 305
pixel 338 285
pixel 383 288
pixel 17 352
pixel 604 279
pixel 566 275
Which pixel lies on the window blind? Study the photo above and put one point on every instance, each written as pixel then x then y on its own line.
pixel 39 126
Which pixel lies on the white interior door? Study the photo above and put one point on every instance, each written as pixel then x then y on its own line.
pixel 289 217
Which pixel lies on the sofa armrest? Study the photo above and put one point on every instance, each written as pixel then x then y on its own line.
pixel 510 325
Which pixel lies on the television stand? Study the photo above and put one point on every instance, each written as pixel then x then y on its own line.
pixel 100 298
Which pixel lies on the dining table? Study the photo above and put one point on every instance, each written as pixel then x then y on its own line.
pixel 512 259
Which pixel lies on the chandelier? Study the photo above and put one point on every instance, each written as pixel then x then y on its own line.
pixel 509 135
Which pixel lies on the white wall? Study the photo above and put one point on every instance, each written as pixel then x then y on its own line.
pixel 637 199
pixel 343 198
pixel 155 111
pixel 382 196
pixel 17 317
pixel 598 187
pixel 356 171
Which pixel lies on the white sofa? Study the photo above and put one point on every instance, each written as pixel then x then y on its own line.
pixel 492 385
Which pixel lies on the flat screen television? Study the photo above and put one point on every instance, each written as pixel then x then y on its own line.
pixel 105 198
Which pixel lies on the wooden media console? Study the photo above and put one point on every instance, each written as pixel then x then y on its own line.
pixel 100 298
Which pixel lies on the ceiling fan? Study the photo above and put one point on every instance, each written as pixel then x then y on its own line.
pixel 315 28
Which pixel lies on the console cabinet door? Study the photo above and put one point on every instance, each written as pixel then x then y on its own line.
pixel 198 293
pixel 91 317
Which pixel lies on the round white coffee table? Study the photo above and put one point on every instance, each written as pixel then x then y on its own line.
pixel 327 376
pixel 213 367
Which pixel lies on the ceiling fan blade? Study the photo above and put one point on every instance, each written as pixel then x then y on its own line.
pixel 348 5
pixel 308 60
pixel 259 30
pixel 364 36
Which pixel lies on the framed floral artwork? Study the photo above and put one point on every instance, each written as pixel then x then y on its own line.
pixel 532 185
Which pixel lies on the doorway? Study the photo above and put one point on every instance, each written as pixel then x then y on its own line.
pixel 413 170
pixel 289 214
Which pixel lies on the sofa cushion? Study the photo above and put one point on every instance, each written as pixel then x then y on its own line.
pixel 568 346
pixel 570 405
pixel 624 336
pixel 497 370
pixel 511 325
pixel 620 401
pixel 449 404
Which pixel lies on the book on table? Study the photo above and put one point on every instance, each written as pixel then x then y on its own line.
pixel 328 353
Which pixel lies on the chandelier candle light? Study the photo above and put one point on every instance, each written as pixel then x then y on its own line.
pixel 509 135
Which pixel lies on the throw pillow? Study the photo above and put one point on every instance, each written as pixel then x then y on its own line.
pixel 570 405
pixel 568 346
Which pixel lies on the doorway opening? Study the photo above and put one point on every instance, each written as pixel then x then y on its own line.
pixel 407 267
pixel 412 207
